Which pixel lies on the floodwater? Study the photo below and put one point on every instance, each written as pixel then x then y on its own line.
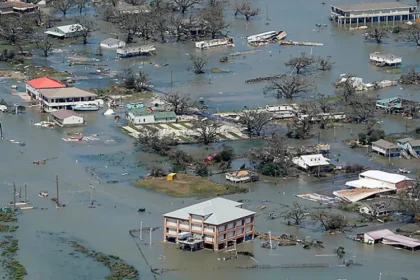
pixel 112 163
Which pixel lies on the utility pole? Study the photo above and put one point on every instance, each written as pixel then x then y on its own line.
pixel 56 182
pixel 171 78
pixel 150 240
pixel 20 193
pixel 26 193
pixel 14 197
pixel 1 131
pixel 269 235
pixel 319 136
pixel 141 231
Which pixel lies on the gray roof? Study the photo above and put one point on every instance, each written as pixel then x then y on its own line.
pixel 405 140
pixel 62 114
pixel 371 6
pixel 68 92
pixel 385 144
pixel 110 41
pixel 158 115
pixel 385 55
pixel 216 211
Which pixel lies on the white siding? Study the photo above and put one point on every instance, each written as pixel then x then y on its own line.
pixel 196 227
pixel 209 228
pixel 172 231
pixel 196 218
pixel 73 120
pixel 184 224
pixel 171 222
pixel 208 238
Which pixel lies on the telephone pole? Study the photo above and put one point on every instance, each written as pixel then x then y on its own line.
pixel 14 197
pixel 56 182
pixel 26 194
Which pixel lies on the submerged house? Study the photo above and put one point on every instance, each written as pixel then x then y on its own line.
pixel 213 223
pixel 17 7
pixel 215 43
pixel 383 59
pixel 145 50
pixel 368 13
pixel 410 145
pixel 112 43
pixel 148 116
pixel 67 118
pixel 266 37
pixel 387 237
pixel 385 148
pixel 65 31
pixel 312 162
pixel 54 99
pixel 390 104
pixel 241 176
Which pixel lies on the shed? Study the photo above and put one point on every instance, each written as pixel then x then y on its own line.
pixel 171 176
pixel 112 43
pixel 67 118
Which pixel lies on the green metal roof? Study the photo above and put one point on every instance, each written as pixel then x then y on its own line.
pixel 164 115
pixel 387 100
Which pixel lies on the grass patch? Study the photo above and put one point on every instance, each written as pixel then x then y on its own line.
pixel 4 228
pixel 171 125
pixel 223 137
pixel 7 217
pixel 185 185
pixel 184 125
pixel 159 126
pixel 235 135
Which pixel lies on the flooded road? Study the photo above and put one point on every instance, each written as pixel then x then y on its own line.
pixel 112 163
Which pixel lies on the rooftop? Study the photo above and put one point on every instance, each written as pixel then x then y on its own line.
pixel 216 211
pixel 62 114
pixel 366 183
pixel 384 176
pixel 311 160
pixel 45 82
pixel 413 142
pixel 385 144
pixel 66 93
pixel 379 234
pixel 354 195
pixel 136 49
pixel 372 6
pixel 110 41
pixel 385 55
pixel 390 238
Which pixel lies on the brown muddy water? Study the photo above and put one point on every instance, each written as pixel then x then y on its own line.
pixel 103 163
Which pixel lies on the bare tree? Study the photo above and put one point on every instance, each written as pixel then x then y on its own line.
pixel 136 23
pixel 300 127
pixel 409 199
pixel 274 159
pixel 14 30
pixel 63 5
pixel 286 86
pixel 81 4
pixel 324 64
pixel 180 103
pixel 44 43
pixel 107 12
pixel 301 63
pixel 377 34
pixel 161 20
pixel 329 220
pixel 245 8
pixel 212 19
pixel 88 25
pixel 361 109
pixel 412 77
pixel 325 105
pixel 198 62
pixel 410 34
pixel 136 2
pixel 346 89
pixel 254 121
pixel 297 213
pixel 139 82
pixel 205 131
pixel 150 139
pixel 184 5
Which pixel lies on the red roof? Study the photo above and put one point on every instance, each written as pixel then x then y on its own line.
pixel 46 82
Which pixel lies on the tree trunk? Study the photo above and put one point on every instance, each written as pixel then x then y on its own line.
pixel 84 40
pixel 236 13
pixel 247 17
pixel 183 10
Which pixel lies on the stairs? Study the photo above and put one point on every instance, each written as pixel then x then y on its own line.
pixel 412 151
pixel 404 154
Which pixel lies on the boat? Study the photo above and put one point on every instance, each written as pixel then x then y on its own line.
pixel 294 43
pixel 86 107
pixel 142 210
pixel 109 112
pixel 43 194
pixel 26 208
pixel 383 59
pixel 403 170
pixel 266 38
pixel 215 43
pixel 21 203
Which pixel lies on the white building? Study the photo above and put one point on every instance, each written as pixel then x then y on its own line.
pixel 64 98
pixel 215 43
pixel 65 31
pixel 143 116
pixel 308 162
pixel 112 43
pixel 67 118
pixel 381 179
pixel 383 59
pixel 280 108
pixel 217 221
